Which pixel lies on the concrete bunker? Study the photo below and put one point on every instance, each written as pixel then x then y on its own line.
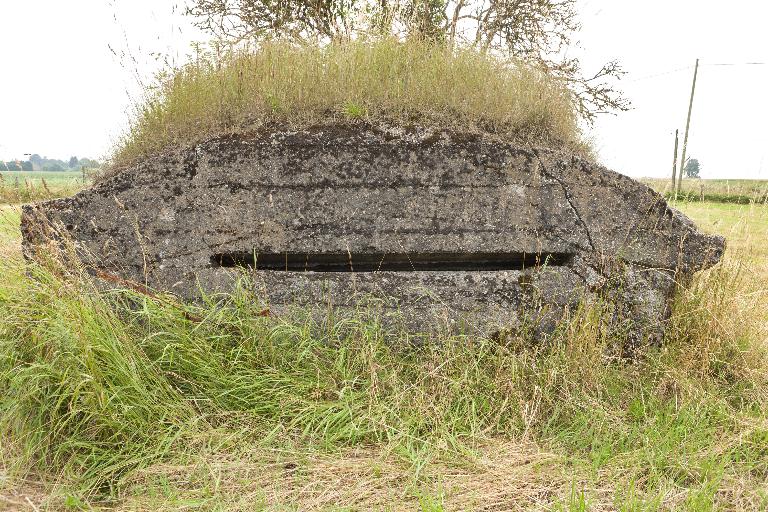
pixel 442 228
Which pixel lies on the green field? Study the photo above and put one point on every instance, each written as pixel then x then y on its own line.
pixel 63 177
pixel 122 402
pixel 726 191
pixel 20 186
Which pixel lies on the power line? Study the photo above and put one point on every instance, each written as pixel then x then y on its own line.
pixel 684 68
pixel 663 73
pixel 737 64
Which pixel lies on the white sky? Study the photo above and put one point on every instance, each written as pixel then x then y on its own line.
pixel 71 70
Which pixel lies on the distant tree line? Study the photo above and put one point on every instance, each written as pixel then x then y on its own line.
pixel 40 163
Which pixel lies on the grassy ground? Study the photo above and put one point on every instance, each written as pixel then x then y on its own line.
pixel 724 191
pixel 124 402
pixel 20 186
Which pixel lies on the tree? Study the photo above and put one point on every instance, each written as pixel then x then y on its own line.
pixel 536 31
pixel 13 165
pixel 3 167
pixel 692 168
pixel 53 165
pixel 27 166
pixel 539 32
pixel 88 163
pixel 37 162
pixel 253 19
pixel 73 162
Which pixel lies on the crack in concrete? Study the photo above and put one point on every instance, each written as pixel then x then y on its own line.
pixel 567 195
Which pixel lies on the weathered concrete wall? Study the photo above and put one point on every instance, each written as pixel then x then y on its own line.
pixel 173 220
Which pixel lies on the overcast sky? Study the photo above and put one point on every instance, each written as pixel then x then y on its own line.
pixel 72 70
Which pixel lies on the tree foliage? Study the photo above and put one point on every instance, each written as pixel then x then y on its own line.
pixel 300 20
pixel 692 168
pixel 535 31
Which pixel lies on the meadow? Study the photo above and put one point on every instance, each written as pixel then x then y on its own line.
pixel 21 186
pixel 120 401
pixel 723 191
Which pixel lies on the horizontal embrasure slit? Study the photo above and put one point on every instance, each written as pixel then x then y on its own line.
pixel 399 262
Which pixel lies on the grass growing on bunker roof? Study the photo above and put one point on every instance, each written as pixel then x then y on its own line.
pixel 386 80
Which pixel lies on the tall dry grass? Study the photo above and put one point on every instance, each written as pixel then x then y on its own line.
pixel 409 82
pixel 101 387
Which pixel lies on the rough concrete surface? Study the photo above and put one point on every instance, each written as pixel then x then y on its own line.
pixel 444 228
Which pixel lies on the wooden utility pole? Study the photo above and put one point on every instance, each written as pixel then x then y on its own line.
pixel 687 127
pixel 674 162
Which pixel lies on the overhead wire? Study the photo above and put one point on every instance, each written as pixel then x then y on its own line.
pixel 684 68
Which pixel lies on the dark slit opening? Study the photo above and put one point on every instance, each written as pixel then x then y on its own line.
pixel 400 262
